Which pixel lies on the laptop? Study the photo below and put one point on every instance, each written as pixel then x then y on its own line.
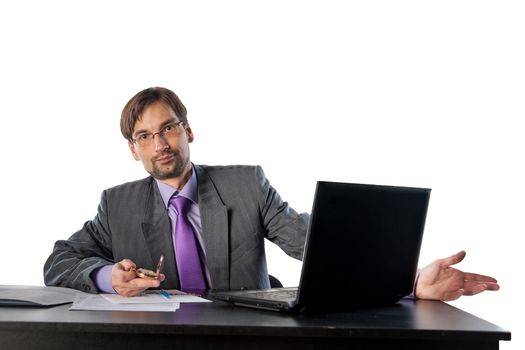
pixel 362 250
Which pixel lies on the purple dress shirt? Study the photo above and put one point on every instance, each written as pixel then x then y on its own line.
pixel 102 275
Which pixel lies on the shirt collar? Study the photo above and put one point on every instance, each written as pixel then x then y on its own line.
pixel 189 190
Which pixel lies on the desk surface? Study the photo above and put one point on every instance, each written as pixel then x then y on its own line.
pixel 409 320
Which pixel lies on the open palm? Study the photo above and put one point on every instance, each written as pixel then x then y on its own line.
pixel 440 281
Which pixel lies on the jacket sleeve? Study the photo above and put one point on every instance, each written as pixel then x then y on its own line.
pixel 72 261
pixel 284 226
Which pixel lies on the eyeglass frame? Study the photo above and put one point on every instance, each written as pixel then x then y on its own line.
pixel 151 136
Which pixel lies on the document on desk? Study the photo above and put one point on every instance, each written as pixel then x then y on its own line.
pixel 36 295
pixel 151 300
pixel 155 296
pixel 97 302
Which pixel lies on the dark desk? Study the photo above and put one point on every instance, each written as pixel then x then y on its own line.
pixel 407 325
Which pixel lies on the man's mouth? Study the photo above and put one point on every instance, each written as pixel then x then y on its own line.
pixel 165 159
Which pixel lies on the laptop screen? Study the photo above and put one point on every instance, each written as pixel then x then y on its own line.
pixel 363 244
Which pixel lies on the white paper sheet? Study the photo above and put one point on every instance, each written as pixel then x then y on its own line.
pixel 96 302
pixel 154 297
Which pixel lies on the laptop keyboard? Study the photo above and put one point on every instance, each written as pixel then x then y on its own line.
pixel 278 295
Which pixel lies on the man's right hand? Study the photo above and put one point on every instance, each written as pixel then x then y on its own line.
pixel 125 281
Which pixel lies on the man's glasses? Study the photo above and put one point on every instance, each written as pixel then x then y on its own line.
pixel 146 139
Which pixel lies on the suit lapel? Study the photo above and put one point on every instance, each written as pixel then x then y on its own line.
pixel 157 233
pixel 214 221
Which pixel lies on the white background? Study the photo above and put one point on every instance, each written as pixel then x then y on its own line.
pixel 413 93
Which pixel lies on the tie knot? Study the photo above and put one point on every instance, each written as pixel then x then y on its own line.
pixel 181 204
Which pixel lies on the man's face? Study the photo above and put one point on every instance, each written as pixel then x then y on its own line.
pixel 165 156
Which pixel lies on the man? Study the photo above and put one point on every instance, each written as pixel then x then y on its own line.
pixel 208 222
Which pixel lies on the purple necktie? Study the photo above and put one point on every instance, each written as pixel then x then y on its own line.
pixel 186 247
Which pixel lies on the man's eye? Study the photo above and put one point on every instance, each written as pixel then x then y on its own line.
pixel 143 137
pixel 169 128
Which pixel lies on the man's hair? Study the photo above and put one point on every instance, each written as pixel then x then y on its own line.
pixel 135 107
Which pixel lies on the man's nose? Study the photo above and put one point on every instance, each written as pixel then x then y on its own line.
pixel 160 142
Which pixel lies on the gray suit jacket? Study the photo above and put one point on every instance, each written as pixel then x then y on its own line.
pixel 238 210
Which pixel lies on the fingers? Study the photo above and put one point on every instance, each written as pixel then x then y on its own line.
pixel 125 282
pixel 162 277
pixel 123 271
pixel 141 284
pixel 454 259
pixel 126 265
pixel 469 289
pixel 473 288
pixel 479 278
pixel 476 283
pixel 492 286
pixel 135 286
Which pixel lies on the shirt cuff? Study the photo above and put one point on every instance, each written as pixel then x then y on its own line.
pixel 102 279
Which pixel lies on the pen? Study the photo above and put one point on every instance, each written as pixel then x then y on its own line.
pixel 164 294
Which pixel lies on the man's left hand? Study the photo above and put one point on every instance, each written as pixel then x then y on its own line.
pixel 440 281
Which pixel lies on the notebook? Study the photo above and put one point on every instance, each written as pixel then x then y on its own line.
pixel 362 250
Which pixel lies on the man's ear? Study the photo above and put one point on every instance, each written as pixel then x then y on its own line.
pixel 189 134
pixel 133 150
